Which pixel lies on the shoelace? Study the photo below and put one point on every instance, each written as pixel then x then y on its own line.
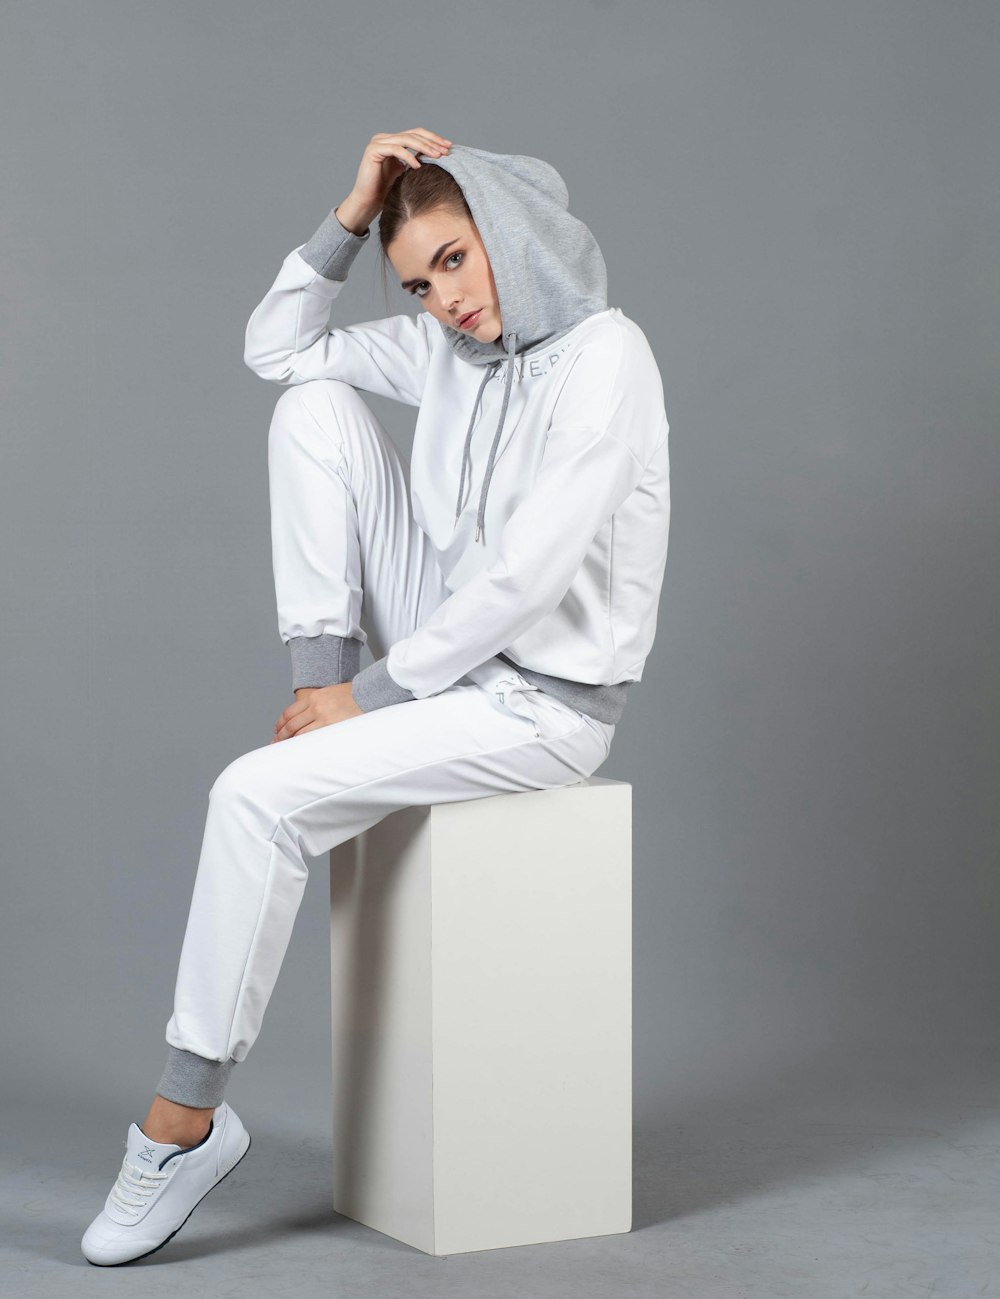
pixel 132 1182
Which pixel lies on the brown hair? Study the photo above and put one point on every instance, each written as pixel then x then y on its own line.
pixel 415 191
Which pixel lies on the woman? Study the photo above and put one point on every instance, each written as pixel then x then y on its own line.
pixel 508 611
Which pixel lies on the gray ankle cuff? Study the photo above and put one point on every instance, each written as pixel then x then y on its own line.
pixel 190 1079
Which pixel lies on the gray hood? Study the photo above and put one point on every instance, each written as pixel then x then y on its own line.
pixel 547 267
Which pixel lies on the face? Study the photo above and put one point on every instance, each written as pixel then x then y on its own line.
pixel 461 278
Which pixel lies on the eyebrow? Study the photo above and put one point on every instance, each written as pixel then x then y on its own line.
pixel 432 263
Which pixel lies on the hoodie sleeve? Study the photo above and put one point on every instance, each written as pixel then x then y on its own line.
pixel 289 339
pixel 588 469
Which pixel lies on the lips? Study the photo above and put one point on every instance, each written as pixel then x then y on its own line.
pixel 467 319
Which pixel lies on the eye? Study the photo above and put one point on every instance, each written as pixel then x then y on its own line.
pixel 423 282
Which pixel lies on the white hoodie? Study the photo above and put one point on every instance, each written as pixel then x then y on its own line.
pixel 553 542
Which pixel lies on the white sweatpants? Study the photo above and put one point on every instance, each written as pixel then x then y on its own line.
pixel 349 560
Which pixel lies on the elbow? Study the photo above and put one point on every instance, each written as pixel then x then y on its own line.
pixel 253 358
pixel 277 369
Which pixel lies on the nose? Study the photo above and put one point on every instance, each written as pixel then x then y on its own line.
pixel 449 297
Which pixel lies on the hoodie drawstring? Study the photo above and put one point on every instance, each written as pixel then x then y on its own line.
pixel 511 345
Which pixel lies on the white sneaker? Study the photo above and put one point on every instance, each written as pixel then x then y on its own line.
pixel 159 1187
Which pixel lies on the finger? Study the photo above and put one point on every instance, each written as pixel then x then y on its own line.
pixel 418 135
pixel 422 146
pixel 295 725
pixel 294 709
pixel 388 150
pixel 315 726
pixel 422 140
pixel 284 728
pixel 432 148
pixel 429 137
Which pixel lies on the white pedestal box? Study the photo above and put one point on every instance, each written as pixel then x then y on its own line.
pixel 482 1019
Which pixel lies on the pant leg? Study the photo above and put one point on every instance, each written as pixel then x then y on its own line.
pixel 350 562
pixel 351 566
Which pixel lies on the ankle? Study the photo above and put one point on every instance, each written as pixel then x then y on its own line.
pixel 168 1123
pixel 168 1134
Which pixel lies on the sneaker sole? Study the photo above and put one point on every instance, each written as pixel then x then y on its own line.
pixel 125 1261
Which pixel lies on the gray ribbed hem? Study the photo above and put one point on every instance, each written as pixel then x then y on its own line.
pixel 333 248
pixel 323 660
pixel 606 703
pixel 190 1079
pixel 373 688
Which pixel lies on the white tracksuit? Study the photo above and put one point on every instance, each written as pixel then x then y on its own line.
pixel 555 560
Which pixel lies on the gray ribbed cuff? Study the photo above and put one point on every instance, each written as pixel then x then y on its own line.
pixel 323 660
pixel 373 688
pixel 333 248
pixel 190 1079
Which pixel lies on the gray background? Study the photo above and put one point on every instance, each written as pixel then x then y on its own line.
pixel 798 204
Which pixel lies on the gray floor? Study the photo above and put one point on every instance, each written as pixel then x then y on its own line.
pixel 847 1177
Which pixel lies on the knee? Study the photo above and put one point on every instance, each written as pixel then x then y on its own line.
pixel 319 407
pixel 255 794
pixel 246 783
pixel 320 420
pixel 228 783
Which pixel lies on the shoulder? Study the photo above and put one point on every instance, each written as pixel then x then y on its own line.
pixel 610 357
pixel 613 333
